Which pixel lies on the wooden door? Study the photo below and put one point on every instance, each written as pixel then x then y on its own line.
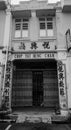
pixel 50 83
pixel 22 88
pixel 37 88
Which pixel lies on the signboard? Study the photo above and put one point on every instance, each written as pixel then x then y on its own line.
pixel 68 39
pixel 34 46
pixel 35 56
pixel 62 84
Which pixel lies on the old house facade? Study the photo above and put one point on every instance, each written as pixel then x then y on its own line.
pixel 37 56
pixel 3 7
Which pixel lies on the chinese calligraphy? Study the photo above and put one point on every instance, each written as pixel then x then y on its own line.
pixel 62 91
pixel 62 85
pixel 34 45
pixel 22 46
pixel 7 83
pixel 61 77
pixel 46 45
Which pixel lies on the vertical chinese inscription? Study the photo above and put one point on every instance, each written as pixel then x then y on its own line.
pixel 7 84
pixel 62 83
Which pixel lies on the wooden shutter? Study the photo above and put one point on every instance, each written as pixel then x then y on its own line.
pixel 50 88
pixel 22 88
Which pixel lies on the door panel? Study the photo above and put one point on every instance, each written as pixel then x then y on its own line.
pixel 50 88
pixel 22 88
pixel 37 88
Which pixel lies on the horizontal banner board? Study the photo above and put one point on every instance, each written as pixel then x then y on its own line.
pixel 34 46
pixel 35 56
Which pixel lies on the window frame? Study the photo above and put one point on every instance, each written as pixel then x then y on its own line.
pixel 21 28
pixel 46 22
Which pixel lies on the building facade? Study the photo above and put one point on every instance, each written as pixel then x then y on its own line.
pixel 37 57
pixel 3 7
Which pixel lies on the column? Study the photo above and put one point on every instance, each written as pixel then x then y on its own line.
pixel 7 70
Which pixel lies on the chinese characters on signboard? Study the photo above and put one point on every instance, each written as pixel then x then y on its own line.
pixel 22 46
pixel 37 46
pixel 34 45
pixel 61 81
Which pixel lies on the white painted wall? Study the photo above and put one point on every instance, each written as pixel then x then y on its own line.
pixel 34 28
pixel 63 22
pixel 7 29
pixel 69 81
pixel 2 25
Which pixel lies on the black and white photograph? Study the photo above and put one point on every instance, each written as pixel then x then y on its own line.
pixel 35 64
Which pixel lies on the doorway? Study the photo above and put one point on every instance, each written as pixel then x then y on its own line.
pixel 35 84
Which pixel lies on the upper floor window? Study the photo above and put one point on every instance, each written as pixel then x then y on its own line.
pixel 21 28
pixel 46 26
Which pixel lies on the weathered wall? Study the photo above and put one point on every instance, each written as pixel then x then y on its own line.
pixel 2 25
pixel 69 81
pixel 34 29
pixel 1 74
pixel 63 22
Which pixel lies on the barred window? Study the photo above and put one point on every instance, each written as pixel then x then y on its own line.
pixel 21 27
pixel 42 25
pixel 46 26
pixel 25 27
pixel 49 25
pixel 18 26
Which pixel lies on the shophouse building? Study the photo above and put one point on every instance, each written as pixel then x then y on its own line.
pixel 37 56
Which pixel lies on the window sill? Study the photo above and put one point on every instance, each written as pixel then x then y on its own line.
pixel 20 39
pixel 47 38
pixel 40 38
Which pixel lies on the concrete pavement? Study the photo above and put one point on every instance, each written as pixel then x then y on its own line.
pixel 3 125
pixel 38 126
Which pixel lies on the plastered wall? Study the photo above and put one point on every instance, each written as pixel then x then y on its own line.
pixel 34 29
pixel 69 81
pixel 2 25
pixel 63 23
pixel 1 74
